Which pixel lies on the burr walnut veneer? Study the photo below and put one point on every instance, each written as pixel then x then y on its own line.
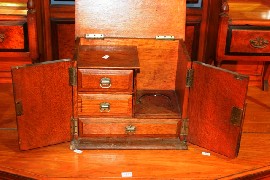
pixel 18 35
pixel 244 32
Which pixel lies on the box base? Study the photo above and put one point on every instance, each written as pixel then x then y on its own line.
pixel 129 143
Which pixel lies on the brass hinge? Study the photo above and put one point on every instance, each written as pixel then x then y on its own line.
pixel 94 36
pixel 165 37
pixel 19 108
pixel 236 116
pixel 74 126
pixel 189 77
pixel 184 127
pixel 72 76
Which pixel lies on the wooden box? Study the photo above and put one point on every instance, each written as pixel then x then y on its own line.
pixel 131 85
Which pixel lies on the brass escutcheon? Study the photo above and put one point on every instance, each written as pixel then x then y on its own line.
pixel 259 43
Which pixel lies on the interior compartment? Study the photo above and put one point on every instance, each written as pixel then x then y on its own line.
pixel 161 80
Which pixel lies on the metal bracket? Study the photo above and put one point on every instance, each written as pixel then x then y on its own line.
pixel 72 76
pixel 130 129
pixel 94 36
pixel 189 77
pixel 236 116
pixel 165 37
pixel 19 108
pixel 184 127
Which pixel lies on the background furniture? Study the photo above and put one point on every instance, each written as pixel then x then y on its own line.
pixel 18 35
pixel 244 35
pixel 58 30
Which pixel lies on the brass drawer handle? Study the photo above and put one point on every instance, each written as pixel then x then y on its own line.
pixel 105 82
pixel 2 37
pixel 130 129
pixel 105 107
pixel 259 43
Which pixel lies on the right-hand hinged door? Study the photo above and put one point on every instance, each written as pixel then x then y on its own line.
pixel 216 109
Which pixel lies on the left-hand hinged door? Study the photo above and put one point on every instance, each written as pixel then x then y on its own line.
pixel 43 95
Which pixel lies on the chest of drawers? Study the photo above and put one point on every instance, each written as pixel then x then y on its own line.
pixel 18 37
pixel 133 87
pixel 244 34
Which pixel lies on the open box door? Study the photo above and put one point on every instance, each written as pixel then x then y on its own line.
pixel 216 109
pixel 43 100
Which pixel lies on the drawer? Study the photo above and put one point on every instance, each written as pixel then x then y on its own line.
pixel 252 40
pixel 105 105
pixel 122 127
pixel 13 37
pixel 97 80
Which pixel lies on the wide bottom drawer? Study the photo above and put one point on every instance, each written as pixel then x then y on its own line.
pixel 105 105
pixel 106 127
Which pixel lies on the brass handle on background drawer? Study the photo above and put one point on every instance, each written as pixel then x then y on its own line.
pixel 105 82
pixel 2 37
pixel 130 129
pixel 259 43
pixel 105 107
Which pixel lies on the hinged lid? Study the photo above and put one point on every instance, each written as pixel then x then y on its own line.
pixel 216 107
pixel 130 18
pixel 43 98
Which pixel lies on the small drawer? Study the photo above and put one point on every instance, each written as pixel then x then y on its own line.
pixel 122 127
pixel 249 41
pixel 105 105
pixel 13 37
pixel 99 80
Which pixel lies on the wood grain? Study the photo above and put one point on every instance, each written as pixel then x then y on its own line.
pixel 247 15
pixel 13 36
pixel 46 97
pixel 130 18
pixel 118 57
pixel 117 127
pixel 59 162
pixel 121 81
pixel 241 41
pixel 120 105
pixel 211 99
pixel 158 60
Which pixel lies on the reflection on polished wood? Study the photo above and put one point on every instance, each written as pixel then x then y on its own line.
pixel 249 9
pixel 59 162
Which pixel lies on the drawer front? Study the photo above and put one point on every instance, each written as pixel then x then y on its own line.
pixel 13 37
pixel 96 80
pixel 105 105
pixel 123 127
pixel 250 41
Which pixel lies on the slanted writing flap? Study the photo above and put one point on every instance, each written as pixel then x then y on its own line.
pixel 130 18
pixel 43 100
pixel 216 108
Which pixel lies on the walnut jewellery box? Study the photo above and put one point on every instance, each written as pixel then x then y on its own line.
pixel 130 85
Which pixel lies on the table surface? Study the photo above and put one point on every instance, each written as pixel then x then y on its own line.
pixel 58 161
pixel 249 10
